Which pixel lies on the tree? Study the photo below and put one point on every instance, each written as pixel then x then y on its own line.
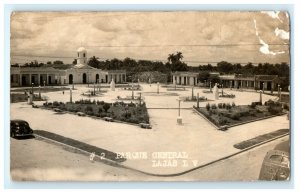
pixel 94 62
pixel 74 61
pixel 224 67
pixel 203 76
pixel 175 63
pixel 58 62
pixel 106 106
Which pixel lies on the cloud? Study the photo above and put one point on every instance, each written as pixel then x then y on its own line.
pixel 273 14
pixel 282 34
pixel 265 47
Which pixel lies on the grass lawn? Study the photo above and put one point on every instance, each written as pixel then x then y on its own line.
pixel 132 113
pixel 43 89
pixel 17 97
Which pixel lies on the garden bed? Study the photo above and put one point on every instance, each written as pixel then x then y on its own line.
pixel 125 112
pixel 228 115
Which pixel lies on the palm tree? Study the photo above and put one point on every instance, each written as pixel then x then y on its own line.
pixel 94 62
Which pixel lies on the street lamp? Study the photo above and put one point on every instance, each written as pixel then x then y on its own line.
pixel 157 87
pixel 32 87
pixel 179 118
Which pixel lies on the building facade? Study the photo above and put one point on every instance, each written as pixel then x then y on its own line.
pixel 257 82
pixel 81 73
pixel 185 78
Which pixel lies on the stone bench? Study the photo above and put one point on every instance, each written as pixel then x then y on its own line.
pixel 80 114
pixel 145 125
pixel 109 119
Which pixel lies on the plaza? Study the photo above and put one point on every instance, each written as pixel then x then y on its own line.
pixel 196 137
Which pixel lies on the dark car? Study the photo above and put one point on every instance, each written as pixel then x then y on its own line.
pixel 20 128
pixel 276 164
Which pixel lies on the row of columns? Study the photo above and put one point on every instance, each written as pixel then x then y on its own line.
pixel 184 80
pixel 30 75
pixel 117 78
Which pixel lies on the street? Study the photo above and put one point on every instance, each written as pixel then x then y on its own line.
pixel 36 159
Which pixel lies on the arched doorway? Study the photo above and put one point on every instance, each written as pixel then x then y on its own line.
pixel 84 78
pixel 97 78
pixel 71 79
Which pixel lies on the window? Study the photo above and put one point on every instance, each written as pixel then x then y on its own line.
pixel 78 54
pixel 84 55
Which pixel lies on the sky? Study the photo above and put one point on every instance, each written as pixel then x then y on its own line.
pixel 202 37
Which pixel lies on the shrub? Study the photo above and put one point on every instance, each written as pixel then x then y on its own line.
pixel 100 110
pixel 91 113
pixel 286 106
pixel 222 121
pixel 220 105
pixel 228 106
pixel 106 106
pixel 214 106
pixel 88 109
pixel 207 106
pixel 77 109
pixel 233 104
pixel 100 103
pixel 102 114
pixel 133 120
pixel 131 104
pixel 235 116
pixel 274 110
pixel 224 105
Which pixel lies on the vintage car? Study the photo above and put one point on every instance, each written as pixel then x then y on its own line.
pixel 20 128
pixel 276 164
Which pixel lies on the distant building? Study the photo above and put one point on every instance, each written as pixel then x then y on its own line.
pixel 185 78
pixel 81 73
pixel 257 82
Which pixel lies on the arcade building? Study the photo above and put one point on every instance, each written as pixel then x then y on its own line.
pixel 81 73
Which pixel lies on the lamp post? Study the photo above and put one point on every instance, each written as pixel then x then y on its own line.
pixel 278 89
pixel 280 95
pixel 179 118
pixel 94 89
pixel 222 90
pixel 210 86
pixel 32 88
pixel 192 92
pixel 70 95
pixel 157 87
pixel 260 96
pixel 263 87
pixel 132 93
pixel 40 91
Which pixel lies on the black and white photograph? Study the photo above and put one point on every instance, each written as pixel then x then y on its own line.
pixel 150 96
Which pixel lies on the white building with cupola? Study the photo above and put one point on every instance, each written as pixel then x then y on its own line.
pixel 80 73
